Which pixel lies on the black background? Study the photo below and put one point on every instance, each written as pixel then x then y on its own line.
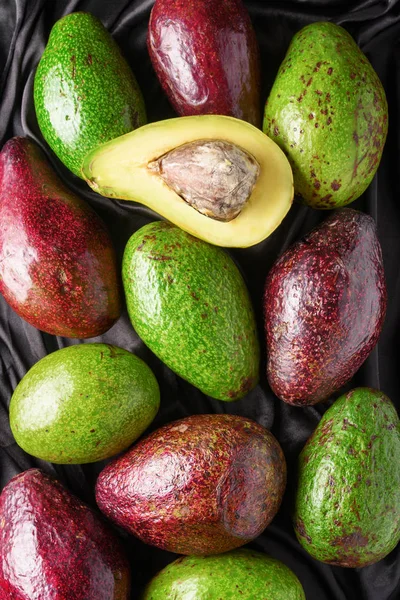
pixel 24 29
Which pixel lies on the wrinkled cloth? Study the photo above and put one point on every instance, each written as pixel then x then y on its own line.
pixel 375 25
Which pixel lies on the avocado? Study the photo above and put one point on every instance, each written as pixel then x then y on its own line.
pixel 54 546
pixel 83 403
pixel 84 90
pixel 202 485
pixel 206 59
pixel 347 509
pixel 244 574
pixel 57 262
pixel 324 308
pixel 181 167
pixel 188 302
pixel 327 110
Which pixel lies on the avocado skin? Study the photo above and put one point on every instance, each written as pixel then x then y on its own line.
pixel 58 269
pixel 244 574
pixel 188 302
pixel 324 307
pixel 83 403
pixel 54 546
pixel 85 93
pixel 347 510
pixel 201 485
pixel 327 110
pixel 207 59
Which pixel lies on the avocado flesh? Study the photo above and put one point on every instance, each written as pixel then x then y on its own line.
pixel 119 169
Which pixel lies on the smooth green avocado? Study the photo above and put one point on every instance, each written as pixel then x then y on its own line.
pixel 327 111
pixel 83 403
pixel 85 93
pixel 347 510
pixel 243 574
pixel 188 302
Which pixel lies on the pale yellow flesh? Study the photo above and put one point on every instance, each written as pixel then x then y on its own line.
pixel 118 169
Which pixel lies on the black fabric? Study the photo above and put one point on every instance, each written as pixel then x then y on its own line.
pixel 375 24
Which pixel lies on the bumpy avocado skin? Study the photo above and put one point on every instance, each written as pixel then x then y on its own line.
pixel 53 546
pixel 202 485
pixel 83 403
pixel 347 510
pixel 85 93
pixel 327 110
pixel 188 302
pixel 324 305
pixel 244 574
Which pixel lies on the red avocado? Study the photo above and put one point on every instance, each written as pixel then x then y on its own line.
pixel 206 56
pixel 324 307
pixel 201 485
pixel 57 263
pixel 54 546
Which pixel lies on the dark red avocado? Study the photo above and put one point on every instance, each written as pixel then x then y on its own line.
pixel 205 54
pixel 57 263
pixel 202 485
pixel 54 547
pixel 324 307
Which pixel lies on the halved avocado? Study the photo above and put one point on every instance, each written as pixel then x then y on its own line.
pixel 124 168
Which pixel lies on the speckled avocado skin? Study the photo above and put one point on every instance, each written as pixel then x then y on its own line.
pixel 58 269
pixel 188 302
pixel 201 485
pixel 52 546
pixel 244 574
pixel 324 307
pixel 83 403
pixel 85 93
pixel 347 509
pixel 327 110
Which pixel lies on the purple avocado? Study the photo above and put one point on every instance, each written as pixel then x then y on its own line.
pixel 202 485
pixel 324 307
pixel 206 56
pixel 54 547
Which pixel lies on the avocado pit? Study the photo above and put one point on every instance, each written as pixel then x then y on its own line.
pixel 213 176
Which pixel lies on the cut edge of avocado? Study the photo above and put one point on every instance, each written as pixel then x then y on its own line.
pixel 119 169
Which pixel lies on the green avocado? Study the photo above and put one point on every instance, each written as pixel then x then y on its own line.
pixel 188 302
pixel 83 403
pixel 243 574
pixel 347 510
pixel 327 111
pixel 85 93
